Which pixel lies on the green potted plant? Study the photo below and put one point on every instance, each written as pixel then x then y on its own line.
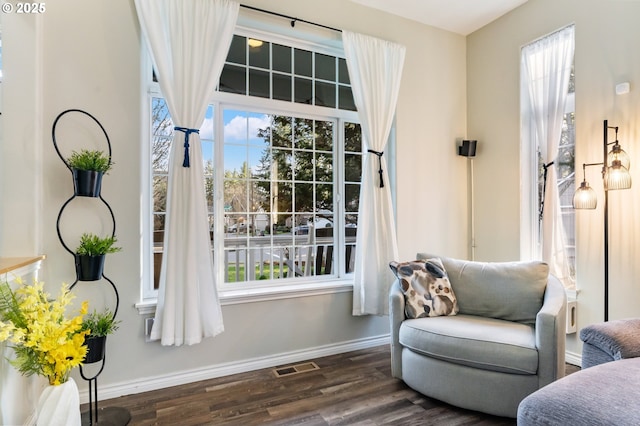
pixel 98 326
pixel 88 167
pixel 91 253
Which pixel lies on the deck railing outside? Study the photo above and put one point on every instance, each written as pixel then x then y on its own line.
pixel 280 256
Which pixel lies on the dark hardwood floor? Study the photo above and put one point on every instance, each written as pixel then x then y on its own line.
pixel 354 388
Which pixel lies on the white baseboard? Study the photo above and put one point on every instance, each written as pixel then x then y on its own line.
pixel 189 376
pixel 573 358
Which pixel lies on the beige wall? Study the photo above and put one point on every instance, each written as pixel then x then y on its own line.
pixel 87 55
pixel 607 53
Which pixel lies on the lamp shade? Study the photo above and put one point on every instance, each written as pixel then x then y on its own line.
pixel 618 154
pixel 617 177
pixel 585 197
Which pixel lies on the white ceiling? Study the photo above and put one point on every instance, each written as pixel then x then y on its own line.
pixel 458 16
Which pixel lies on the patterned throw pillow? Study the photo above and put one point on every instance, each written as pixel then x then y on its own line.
pixel 426 287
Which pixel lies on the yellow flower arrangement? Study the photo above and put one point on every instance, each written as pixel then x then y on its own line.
pixel 45 341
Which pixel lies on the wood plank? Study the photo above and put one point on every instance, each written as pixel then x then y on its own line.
pixel 354 388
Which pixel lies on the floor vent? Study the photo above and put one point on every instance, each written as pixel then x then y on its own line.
pixel 295 369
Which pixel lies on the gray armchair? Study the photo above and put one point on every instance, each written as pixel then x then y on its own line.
pixel 507 340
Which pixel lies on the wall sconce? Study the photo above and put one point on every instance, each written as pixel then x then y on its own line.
pixel 615 174
pixel 468 148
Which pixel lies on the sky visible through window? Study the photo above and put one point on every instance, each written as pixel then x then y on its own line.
pixel 239 127
pixel 242 128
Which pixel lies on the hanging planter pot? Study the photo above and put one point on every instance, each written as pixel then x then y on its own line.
pixel 99 325
pixel 87 183
pixel 95 348
pixel 89 268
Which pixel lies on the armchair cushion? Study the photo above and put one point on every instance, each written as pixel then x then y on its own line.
pixel 426 288
pixel 511 291
pixel 478 342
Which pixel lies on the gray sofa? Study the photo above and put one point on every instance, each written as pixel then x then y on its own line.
pixel 606 394
pixel 610 341
pixel 605 391
pixel 506 341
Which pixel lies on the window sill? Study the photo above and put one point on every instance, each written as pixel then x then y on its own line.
pixel 234 297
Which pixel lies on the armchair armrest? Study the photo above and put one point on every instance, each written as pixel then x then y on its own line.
pixel 551 331
pixel 396 316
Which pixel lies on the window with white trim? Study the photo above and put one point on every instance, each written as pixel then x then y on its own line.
pixel 533 178
pixel 282 150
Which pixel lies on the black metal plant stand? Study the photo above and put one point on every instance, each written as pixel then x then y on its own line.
pixel 110 415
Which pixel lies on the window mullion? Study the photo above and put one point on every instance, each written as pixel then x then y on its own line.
pixel 218 199
pixel 338 184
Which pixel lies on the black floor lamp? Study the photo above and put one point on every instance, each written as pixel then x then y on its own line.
pixel 615 173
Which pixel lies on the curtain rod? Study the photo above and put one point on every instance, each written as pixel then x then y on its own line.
pixel 292 18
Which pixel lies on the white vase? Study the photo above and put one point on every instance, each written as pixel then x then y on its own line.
pixel 59 405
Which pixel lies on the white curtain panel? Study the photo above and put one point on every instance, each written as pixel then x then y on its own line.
pixel 189 41
pixel 375 69
pixel 546 67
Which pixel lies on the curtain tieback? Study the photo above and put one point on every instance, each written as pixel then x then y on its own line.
pixel 379 154
pixel 544 187
pixel 187 131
